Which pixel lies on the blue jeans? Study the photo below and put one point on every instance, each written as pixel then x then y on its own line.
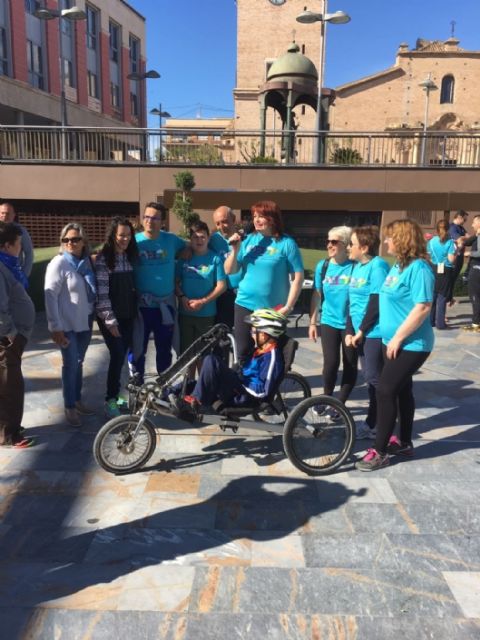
pixel 162 336
pixel 72 368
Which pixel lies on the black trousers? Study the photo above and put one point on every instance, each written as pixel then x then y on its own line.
pixel 225 308
pixel 12 389
pixel 243 335
pixel 395 394
pixel 474 292
pixel 333 343
pixel 117 348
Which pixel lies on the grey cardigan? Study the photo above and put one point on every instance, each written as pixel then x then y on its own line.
pixel 17 313
pixel 66 301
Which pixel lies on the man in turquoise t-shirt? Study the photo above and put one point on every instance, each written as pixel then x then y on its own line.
pixel 155 281
pixel 224 221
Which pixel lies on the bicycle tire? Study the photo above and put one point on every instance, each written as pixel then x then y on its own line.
pixel 135 455
pixel 312 441
pixel 293 389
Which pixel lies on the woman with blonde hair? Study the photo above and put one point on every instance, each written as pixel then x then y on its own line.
pixel 405 301
pixel 70 294
pixel 330 299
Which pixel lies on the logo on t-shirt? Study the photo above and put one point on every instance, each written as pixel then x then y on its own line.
pixel 201 269
pixel 358 283
pixel 337 280
pixel 390 281
pixel 159 254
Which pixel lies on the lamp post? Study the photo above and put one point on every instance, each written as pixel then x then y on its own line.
pixel 73 14
pixel 141 77
pixel 309 17
pixel 428 85
pixel 161 114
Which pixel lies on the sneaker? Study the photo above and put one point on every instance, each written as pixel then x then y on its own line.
pixel 472 327
pixel 333 416
pixel 397 448
pixel 72 417
pixel 24 443
pixel 364 432
pixel 192 401
pixel 122 404
pixel 111 409
pixel 319 409
pixel 84 410
pixel 372 461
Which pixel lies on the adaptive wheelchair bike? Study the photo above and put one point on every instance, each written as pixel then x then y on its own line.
pixel 317 432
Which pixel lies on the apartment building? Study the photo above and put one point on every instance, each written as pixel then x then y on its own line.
pixel 98 51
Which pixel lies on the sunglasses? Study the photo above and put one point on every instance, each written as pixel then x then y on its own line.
pixel 334 242
pixel 75 240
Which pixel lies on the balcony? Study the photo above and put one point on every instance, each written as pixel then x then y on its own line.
pixel 270 149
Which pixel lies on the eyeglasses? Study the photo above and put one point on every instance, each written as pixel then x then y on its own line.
pixel 334 242
pixel 74 240
pixel 152 218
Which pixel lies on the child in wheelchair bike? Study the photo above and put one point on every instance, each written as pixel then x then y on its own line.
pixel 258 377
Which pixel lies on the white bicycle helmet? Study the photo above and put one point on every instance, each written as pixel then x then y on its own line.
pixel 268 320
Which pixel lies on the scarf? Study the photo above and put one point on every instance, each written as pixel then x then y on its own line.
pixel 83 266
pixel 13 264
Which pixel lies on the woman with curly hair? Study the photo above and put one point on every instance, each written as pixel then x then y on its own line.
pixel 407 339
pixel 117 303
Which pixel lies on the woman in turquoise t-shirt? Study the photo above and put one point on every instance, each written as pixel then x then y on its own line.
pixel 407 336
pixel 442 254
pixel 271 269
pixel 363 328
pixel 330 297
pixel 199 281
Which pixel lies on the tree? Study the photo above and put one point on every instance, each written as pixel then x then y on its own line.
pixel 182 203
pixel 250 153
pixel 345 155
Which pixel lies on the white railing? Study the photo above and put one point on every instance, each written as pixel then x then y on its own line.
pixel 193 147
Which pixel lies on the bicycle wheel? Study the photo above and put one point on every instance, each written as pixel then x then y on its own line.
pixel 293 389
pixel 319 435
pixel 116 450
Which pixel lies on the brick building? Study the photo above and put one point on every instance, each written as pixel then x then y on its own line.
pixel 98 54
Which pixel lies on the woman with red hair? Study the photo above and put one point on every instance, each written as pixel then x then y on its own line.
pixel 271 269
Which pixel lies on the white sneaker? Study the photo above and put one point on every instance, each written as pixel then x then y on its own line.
pixel 363 432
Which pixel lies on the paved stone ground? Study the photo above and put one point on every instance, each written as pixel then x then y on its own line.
pixel 221 537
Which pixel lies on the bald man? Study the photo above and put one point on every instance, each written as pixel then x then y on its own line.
pixel 7 214
pixel 224 222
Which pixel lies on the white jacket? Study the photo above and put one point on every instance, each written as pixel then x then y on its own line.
pixel 66 301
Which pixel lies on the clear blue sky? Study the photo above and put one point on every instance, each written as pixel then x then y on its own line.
pixel 193 44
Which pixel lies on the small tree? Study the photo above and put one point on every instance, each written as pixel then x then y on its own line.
pixel 345 155
pixel 250 154
pixel 182 203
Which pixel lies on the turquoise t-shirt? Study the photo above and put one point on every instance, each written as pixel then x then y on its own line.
pixel 401 291
pixel 198 276
pixel 335 292
pixel 265 264
pixel 219 244
pixel 155 270
pixel 439 251
pixel 366 279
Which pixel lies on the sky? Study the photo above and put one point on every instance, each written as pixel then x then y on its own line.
pixel 192 44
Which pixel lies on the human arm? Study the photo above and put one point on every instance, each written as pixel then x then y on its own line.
pixel 27 252
pixel 103 305
pixel 312 327
pixel 411 323
pixel 232 261
pixel 295 290
pixel 197 304
pixel 7 325
pixel 54 281
pixel 262 374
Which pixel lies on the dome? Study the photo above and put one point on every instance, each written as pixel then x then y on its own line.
pixel 292 64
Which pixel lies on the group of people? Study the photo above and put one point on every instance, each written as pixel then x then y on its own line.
pixel 154 282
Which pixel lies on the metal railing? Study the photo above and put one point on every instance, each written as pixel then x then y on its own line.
pixel 84 145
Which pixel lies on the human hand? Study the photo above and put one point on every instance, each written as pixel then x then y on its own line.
pixel 60 339
pixel 312 332
pixel 235 240
pixel 357 339
pixel 114 331
pixel 348 340
pixel 393 347
pixel 196 305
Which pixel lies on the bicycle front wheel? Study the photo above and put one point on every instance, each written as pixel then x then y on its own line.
pixel 118 450
pixel 319 435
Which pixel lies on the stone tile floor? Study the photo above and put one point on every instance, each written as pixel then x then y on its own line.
pixel 220 536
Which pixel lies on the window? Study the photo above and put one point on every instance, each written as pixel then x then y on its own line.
pixel 134 105
pixel 67 26
pixel 92 81
pixel 114 95
pixel 114 41
pixel 31 6
pixel 35 65
pixel 3 53
pixel 134 47
pixel 92 27
pixel 68 71
pixel 447 90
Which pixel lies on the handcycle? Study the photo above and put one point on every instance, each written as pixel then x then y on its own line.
pixel 316 447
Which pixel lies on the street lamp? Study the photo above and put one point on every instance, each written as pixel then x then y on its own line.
pixel 428 85
pixel 309 17
pixel 136 76
pixel 161 114
pixel 73 14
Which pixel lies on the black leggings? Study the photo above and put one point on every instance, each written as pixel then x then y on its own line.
pixel 333 341
pixel 395 393
pixel 242 332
